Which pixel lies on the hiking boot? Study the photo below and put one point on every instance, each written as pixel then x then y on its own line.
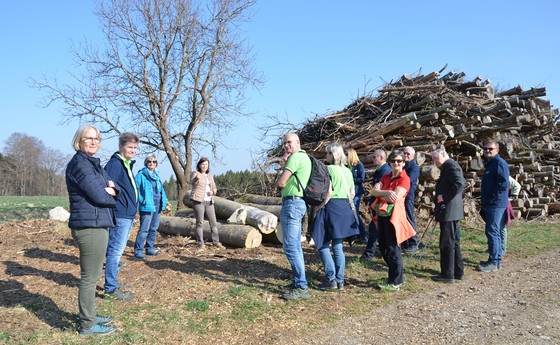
pixel 487 267
pixel 140 257
pixel 441 279
pixel 327 285
pixel 153 252
pixel 340 286
pixel 389 287
pixel 97 329
pixel 459 277
pixel 103 320
pixel 118 295
pixel 296 293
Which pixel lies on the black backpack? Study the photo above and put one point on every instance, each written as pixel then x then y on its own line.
pixel 318 185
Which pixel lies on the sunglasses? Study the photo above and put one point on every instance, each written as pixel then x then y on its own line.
pixel 396 160
pixel 152 162
pixel 488 148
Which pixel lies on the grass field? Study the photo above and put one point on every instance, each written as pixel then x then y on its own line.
pixel 20 208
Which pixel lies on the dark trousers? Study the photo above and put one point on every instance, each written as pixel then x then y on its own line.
pixel 414 241
pixel 372 238
pixel 390 250
pixel 451 260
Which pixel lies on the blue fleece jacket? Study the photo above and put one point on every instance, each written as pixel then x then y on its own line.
pixel 145 181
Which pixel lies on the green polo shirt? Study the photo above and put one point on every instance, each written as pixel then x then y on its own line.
pixel 300 164
pixel 341 179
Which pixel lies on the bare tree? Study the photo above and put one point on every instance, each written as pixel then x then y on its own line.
pixel 24 152
pixel 173 71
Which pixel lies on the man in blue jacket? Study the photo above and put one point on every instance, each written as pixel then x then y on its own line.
pixel 494 200
pixel 119 169
pixel 382 168
pixel 410 246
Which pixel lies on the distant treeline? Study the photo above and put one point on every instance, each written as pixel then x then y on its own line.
pixel 29 168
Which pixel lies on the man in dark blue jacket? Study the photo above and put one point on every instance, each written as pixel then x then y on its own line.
pixel 413 171
pixel 380 161
pixel 119 169
pixel 494 200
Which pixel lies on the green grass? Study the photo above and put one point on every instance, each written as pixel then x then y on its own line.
pixel 22 208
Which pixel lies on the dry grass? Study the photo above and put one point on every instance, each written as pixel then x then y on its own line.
pixel 181 297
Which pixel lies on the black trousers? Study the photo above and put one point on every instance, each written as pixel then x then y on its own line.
pixel 390 250
pixel 451 259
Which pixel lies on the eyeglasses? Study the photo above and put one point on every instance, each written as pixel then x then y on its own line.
pixel 407 153
pixel 90 140
pixel 396 160
pixel 151 162
pixel 488 148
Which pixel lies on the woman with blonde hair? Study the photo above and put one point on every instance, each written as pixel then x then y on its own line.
pixel 359 175
pixel 335 219
pixel 92 197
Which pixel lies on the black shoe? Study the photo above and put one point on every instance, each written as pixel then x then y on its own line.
pixel 327 285
pixel 366 258
pixel 459 277
pixel 441 279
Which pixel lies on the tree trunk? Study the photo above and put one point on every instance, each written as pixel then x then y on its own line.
pixel 234 235
pixel 265 221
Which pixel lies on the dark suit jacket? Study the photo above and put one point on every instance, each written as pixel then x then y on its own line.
pixel 450 185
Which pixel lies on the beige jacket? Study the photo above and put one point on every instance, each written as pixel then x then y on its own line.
pixel 198 183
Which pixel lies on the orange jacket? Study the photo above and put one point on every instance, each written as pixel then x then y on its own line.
pixel 403 229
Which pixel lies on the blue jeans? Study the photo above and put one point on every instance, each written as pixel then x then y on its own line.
pixel 334 269
pixel 146 236
pixel 291 215
pixel 494 218
pixel 357 200
pixel 118 236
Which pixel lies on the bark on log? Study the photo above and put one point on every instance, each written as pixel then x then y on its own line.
pixel 264 221
pixel 259 199
pixel 233 235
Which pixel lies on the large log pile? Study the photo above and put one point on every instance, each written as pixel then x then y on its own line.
pixel 433 110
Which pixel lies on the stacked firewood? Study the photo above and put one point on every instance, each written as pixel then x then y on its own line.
pixel 435 110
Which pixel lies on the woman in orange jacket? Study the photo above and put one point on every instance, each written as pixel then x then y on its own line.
pixel 393 227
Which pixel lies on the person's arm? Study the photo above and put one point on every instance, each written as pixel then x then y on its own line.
pixel 284 177
pixel 515 187
pixel 456 185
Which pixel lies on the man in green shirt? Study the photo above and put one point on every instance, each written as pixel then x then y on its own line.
pixel 293 210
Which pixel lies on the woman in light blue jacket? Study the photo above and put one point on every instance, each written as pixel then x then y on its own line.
pixel 151 201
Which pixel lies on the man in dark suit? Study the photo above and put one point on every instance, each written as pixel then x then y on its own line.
pixel 449 212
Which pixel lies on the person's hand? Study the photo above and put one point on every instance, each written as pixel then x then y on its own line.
pixel 110 191
pixel 111 184
pixel 440 198
pixel 391 196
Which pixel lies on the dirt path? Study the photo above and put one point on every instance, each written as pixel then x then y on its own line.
pixel 520 304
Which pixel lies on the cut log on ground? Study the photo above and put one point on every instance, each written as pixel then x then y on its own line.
pixel 232 235
pixel 266 222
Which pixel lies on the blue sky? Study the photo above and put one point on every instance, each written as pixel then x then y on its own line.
pixel 317 56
